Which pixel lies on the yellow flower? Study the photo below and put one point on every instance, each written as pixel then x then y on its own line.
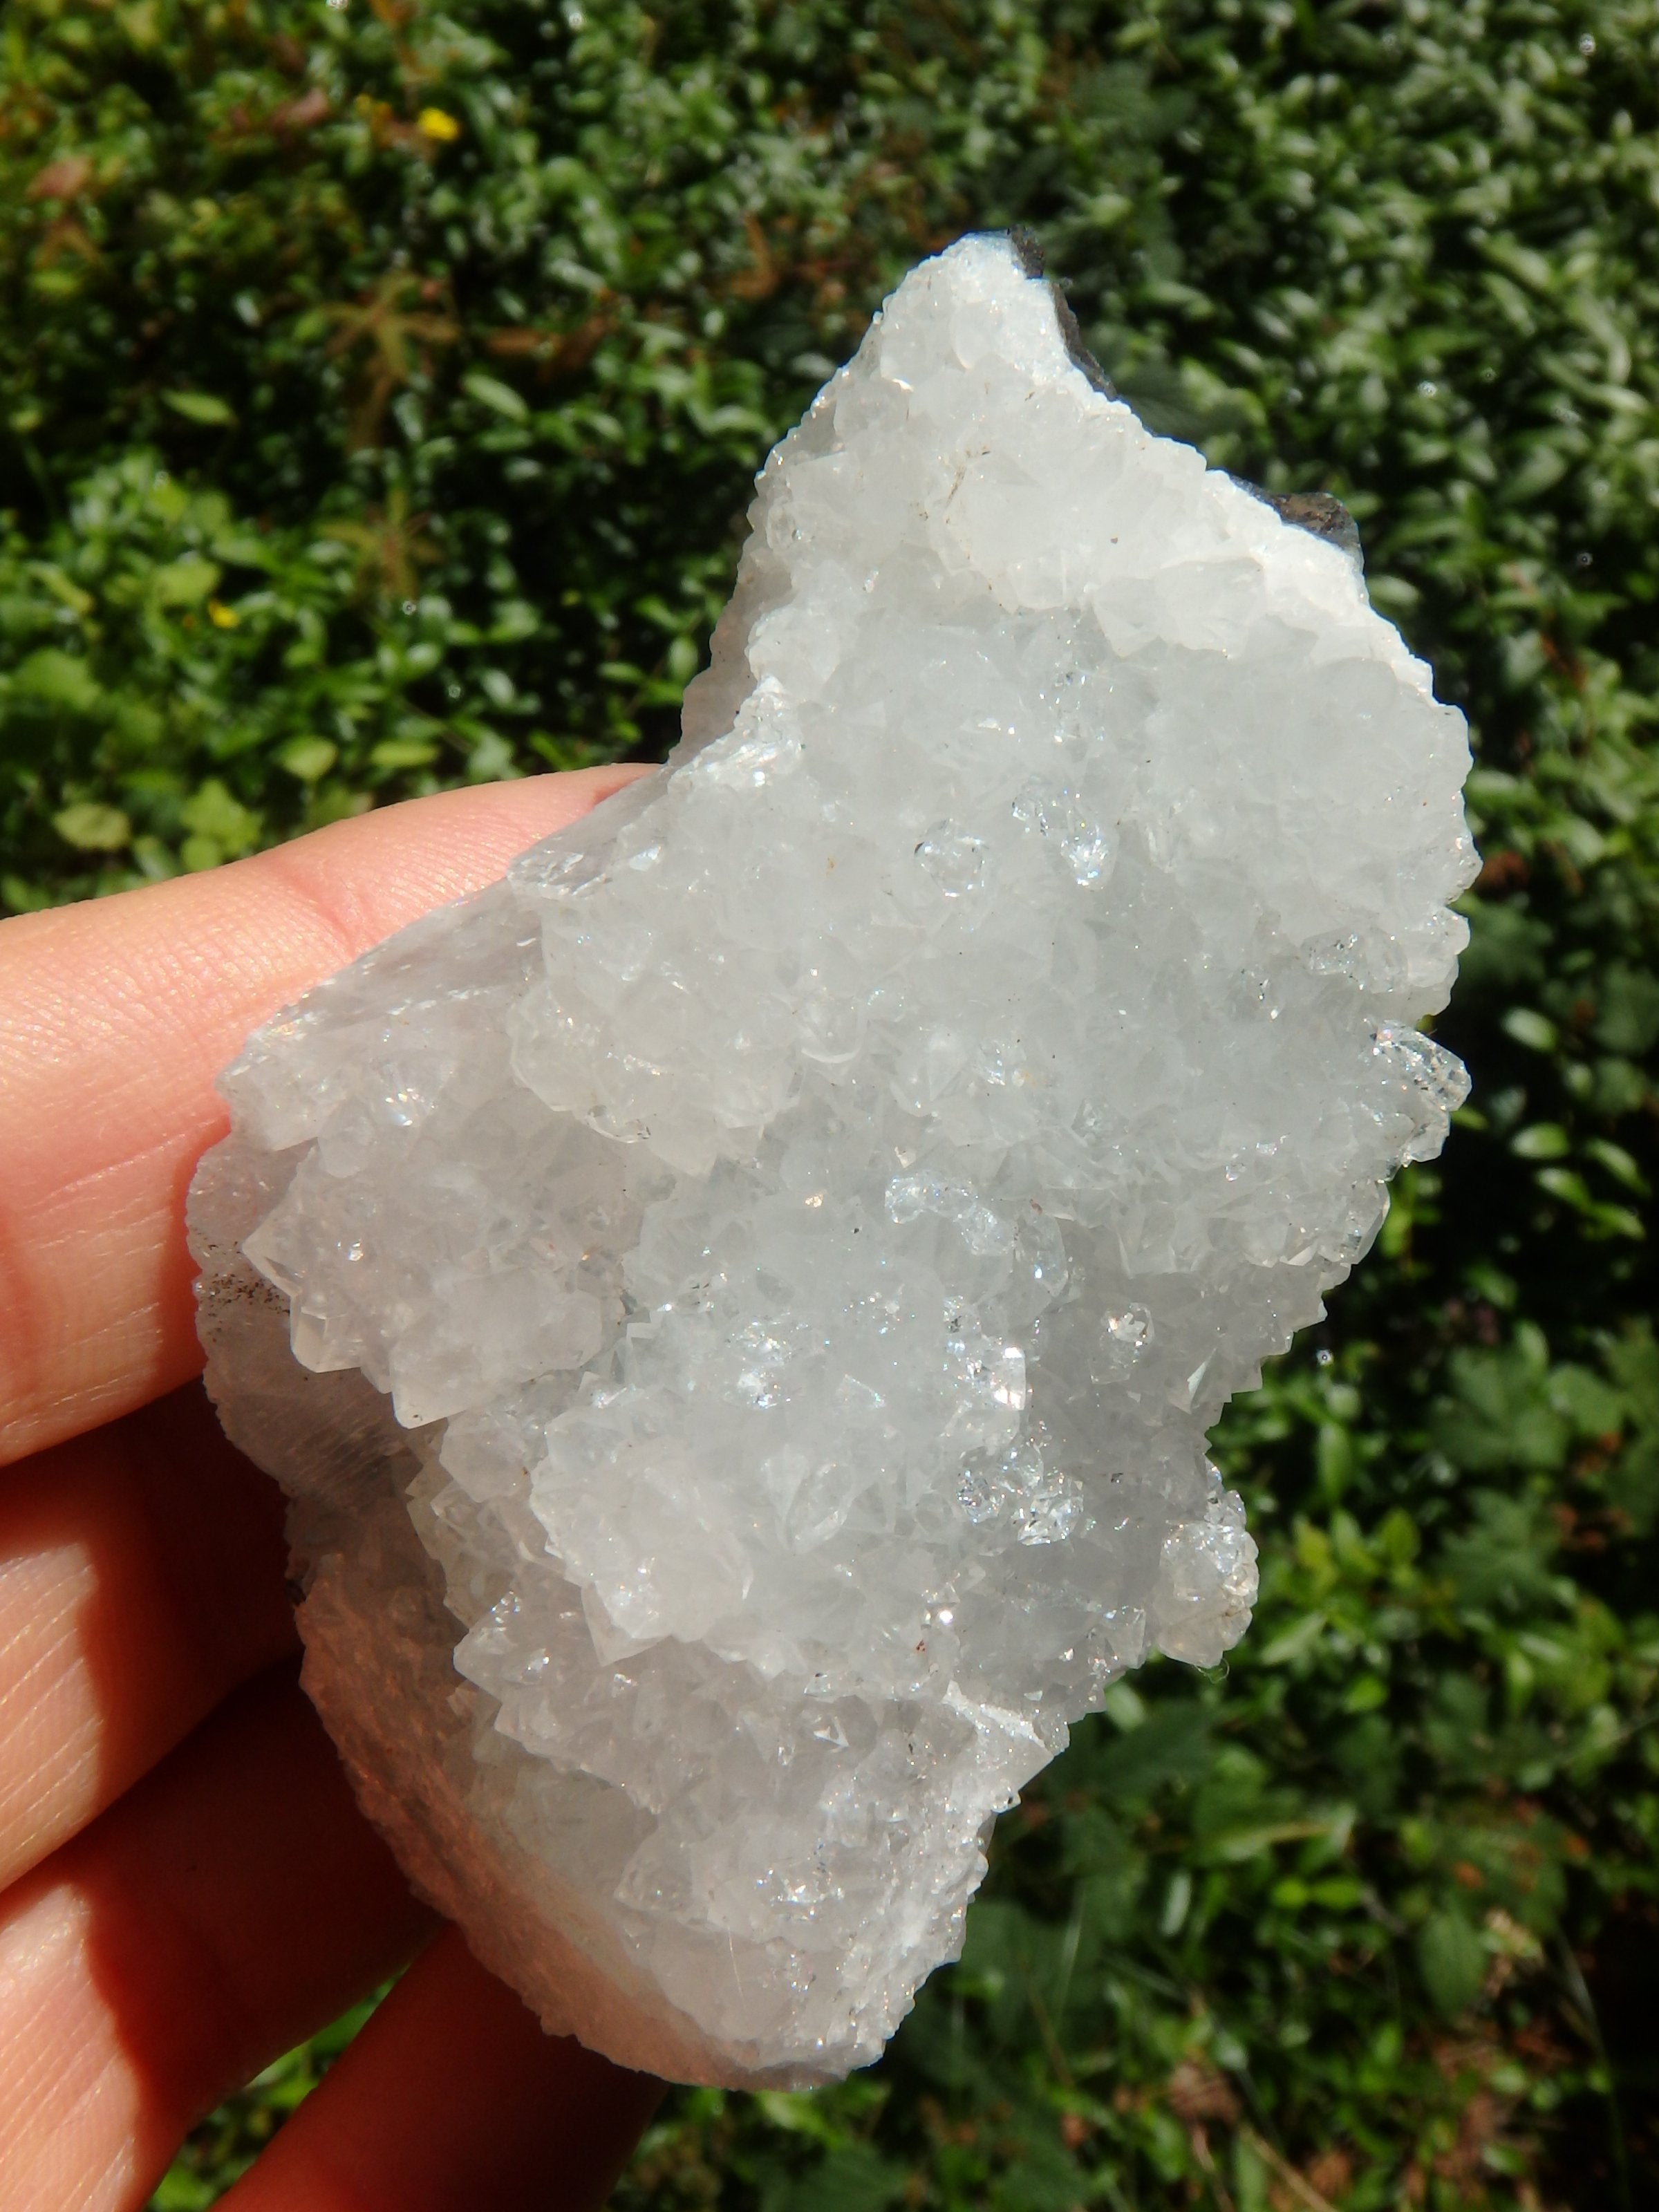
pixel 434 124
pixel 220 616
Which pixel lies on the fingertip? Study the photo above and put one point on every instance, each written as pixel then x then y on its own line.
pixel 371 874
pixel 115 1017
pixel 452 2097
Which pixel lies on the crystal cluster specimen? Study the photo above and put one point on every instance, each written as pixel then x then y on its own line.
pixel 738 1305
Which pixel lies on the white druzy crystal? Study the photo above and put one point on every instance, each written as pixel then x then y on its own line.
pixel 758 1279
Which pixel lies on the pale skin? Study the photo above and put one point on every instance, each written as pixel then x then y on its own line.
pixel 187 1888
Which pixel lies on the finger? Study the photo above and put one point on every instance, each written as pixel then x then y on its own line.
pixel 141 1582
pixel 231 1903
pixel 451 2097
pixel 116 1015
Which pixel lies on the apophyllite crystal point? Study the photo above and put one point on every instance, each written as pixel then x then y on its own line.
pixel 738 1305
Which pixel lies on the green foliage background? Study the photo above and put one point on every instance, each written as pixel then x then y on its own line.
pixel 381 385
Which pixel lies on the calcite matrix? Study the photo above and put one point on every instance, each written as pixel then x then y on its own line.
pixel 739 1304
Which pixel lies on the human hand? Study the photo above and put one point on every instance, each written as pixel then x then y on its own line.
pixel 186 1888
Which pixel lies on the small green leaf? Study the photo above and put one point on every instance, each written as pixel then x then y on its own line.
pixel 404 752
pixel 23 897
pixel 1568 1185
pixel 490 391
pixel 242 551
pixel 308 758
pixel 1629 1021
pixel 184 582
pixel 1124 1706
pixel 1592 1405
pixel 796 2112
pixel 62 588
pixel 199 407
pixel 60 679
pixel 1292 1643
pixel 1531 1030
pixel 515 620
pixel 181 2191
pixel 1397 1537
pixel 1394 595
pixel 1544 1141
pixel 1491 1284
pixel 490 760
pixel 154 858
pixel 1618 1165
pixel 1452 1960
pixel 91 828
pixel 850 2177
pixel 211 812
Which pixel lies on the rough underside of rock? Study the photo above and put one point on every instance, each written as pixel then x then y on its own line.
pixel 739 1304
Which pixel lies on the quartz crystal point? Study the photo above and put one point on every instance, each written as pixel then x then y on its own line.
pixel 738 1305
